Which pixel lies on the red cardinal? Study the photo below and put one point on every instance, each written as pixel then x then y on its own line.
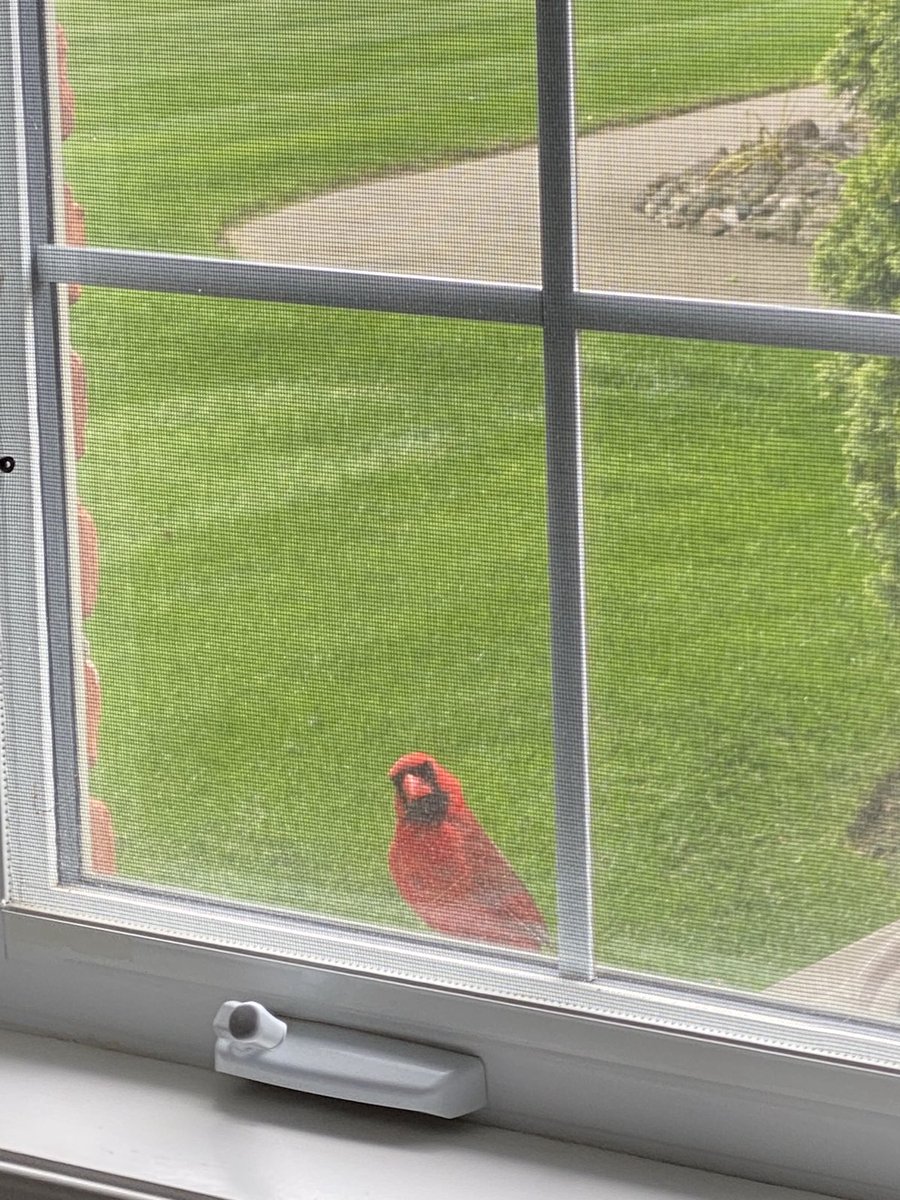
pixel 446 867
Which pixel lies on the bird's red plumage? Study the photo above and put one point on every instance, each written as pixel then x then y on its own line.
pixel 450 872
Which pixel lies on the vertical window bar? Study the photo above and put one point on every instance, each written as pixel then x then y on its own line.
pixel 46 330
pixel 14 382
pixel 565 519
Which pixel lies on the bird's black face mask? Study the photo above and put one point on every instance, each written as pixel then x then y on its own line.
pixel 423 801
pixel 430 810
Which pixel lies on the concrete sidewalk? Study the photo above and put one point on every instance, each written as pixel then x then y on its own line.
pixel 478 219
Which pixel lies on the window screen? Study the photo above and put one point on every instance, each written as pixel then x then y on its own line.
pixel 448 545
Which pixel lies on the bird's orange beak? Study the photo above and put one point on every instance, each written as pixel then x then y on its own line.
pixel 413 788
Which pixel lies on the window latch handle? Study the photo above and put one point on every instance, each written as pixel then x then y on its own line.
pixel 346 1063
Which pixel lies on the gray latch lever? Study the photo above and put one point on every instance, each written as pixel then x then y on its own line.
pixel 332 1061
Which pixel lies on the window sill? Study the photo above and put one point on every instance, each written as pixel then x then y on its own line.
pixel 82 1121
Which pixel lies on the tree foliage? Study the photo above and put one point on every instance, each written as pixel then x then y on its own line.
pixel 870 388
pixel 864 64
pixel 857 260
pixel 857 264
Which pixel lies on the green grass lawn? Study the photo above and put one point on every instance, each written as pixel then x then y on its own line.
pixel 323 535
pixel 190 114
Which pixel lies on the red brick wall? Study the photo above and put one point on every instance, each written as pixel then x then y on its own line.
pixel 103 840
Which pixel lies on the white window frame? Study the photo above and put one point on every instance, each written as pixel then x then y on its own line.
pixel 689 1074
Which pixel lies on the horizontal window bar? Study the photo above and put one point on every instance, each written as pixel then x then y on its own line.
pixel 241 280
pixel 732 321
pixel 164 940
pixel 509 303
pixel 316 928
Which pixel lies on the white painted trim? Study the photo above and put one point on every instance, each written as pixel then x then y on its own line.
pixel 756 1113
pixel 113 1125
pixel 363 957
pixel 26 755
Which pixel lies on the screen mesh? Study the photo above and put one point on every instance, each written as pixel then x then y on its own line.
pixel 311 543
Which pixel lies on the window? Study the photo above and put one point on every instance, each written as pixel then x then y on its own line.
pixel 319 495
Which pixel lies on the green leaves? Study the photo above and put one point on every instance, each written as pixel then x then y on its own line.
pixel 870 388
pixel 857 264
pixel 857 260
pixel 865 62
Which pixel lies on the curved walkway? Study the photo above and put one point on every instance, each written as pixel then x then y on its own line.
pixel 479 218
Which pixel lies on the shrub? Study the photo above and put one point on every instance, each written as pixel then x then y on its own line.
pixel 857 260
pixel 857 264
pixel 865 62
pixel 870 389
